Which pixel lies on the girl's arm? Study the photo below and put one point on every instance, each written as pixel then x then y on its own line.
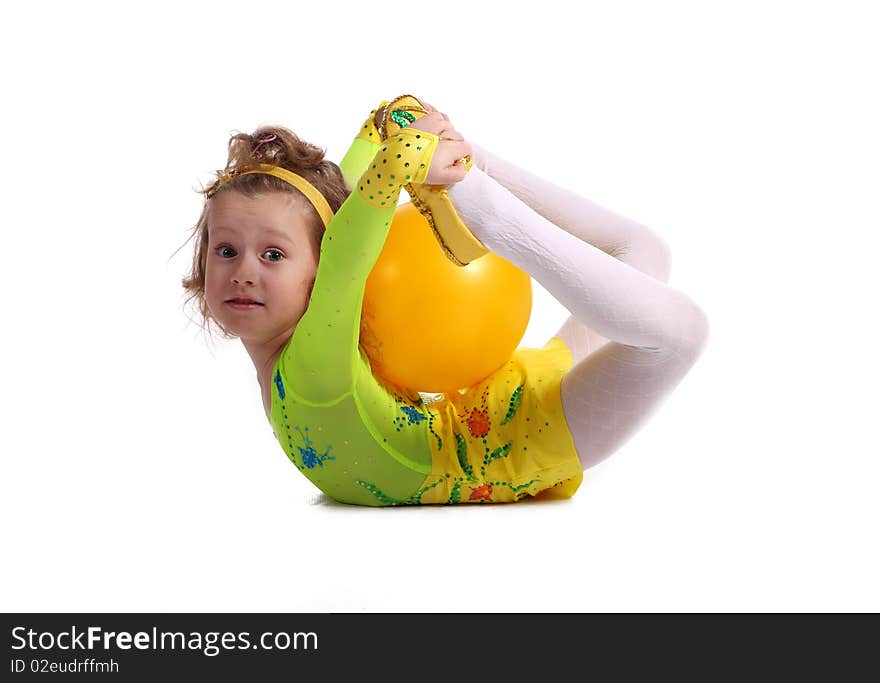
pixel 320 359
pixel 362 150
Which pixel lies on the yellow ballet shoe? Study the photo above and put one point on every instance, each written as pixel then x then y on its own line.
pixel 432 201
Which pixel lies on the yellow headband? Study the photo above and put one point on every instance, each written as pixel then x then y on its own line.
pixel 300 183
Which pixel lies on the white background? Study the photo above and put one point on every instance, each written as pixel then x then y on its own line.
pixel 138 471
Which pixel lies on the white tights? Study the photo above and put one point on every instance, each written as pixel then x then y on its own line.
pixel 633 337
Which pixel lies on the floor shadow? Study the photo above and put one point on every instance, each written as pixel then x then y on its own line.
pixel 323 500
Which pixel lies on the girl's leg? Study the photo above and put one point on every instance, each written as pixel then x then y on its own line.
pixel 656 332
pixel 620 237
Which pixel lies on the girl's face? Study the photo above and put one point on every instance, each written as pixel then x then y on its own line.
pixel 261 265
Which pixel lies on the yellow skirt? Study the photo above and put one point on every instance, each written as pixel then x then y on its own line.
pixel 506 437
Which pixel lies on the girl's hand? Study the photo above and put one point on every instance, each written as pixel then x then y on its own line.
pixel 447 164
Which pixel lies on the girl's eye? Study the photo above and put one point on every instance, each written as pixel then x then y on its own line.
pixel 273 255
pixel 225 252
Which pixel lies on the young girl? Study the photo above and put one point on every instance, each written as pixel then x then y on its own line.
pixel 283 254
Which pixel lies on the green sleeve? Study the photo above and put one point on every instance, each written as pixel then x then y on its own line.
pixel 321 359
pixel 364 147
pixel 357 159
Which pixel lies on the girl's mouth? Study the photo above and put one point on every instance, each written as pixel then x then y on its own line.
pixel 241 304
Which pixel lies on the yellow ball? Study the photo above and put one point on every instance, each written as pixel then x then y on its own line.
pixel 432 326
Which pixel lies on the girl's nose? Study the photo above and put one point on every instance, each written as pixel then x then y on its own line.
pixel 244 271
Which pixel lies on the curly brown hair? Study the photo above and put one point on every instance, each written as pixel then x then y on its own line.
pixel 274 145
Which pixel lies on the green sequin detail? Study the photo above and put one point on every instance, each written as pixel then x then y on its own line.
pixel 515 400
pixel 402 118
pixel 461 452
pixel 414 499
pixel 500 452
pixel 455 494
pixel 518 489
